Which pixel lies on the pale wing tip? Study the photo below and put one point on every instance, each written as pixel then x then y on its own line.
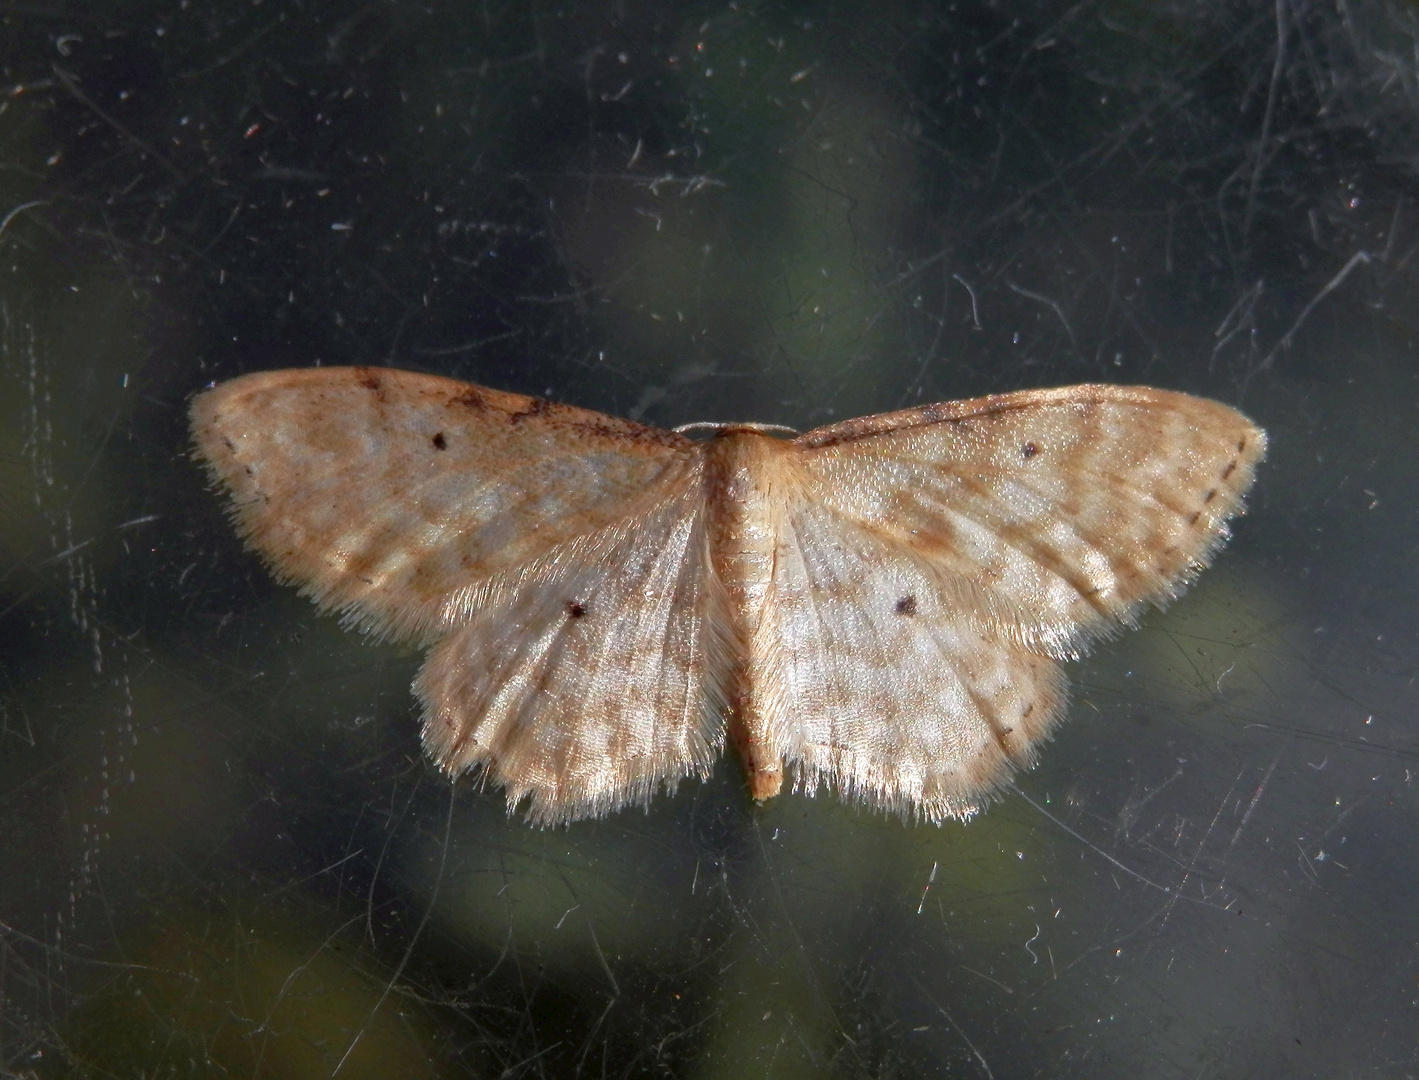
pixel 1224 501
pixel 212 420
pixel 203 429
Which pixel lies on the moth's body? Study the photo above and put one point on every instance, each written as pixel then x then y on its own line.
pixel 746 473
pixel 877 605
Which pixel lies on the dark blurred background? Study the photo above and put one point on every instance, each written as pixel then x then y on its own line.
pixel 221 850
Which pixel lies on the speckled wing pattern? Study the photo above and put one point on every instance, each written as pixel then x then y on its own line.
pixel 555 555
pixel 581 682
pixel 937 561
pixel 882 613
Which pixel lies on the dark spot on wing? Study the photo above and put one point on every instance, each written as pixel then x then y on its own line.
pixel 1029 450
pixel 371 381
pixel 535 407
pixel 440 443
pixel 1229 469
pixel 471 398
pixel 906 605
pixel 575 609
pixel 1210 496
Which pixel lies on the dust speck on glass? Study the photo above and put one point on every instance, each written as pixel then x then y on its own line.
pixel 222 842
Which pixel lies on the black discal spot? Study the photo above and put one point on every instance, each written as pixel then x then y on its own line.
pixel 1195 515
pixel 440 443
pixel 1029 450
pixel 575 609
pixel 1229 469
pixel 906 605
pixel 1210 496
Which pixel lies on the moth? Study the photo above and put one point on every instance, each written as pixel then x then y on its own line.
pixel 878 606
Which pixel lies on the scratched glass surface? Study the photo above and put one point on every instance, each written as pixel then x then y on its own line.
pixel 221 846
